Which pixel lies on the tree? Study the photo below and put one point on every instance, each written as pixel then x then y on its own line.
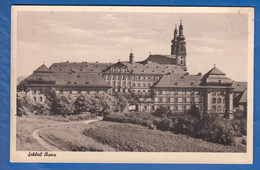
pixel 59 104
pixel 21 86
pixel 105 103
pixel 161 112
pixel 86 103
pixel 64 105
pixel 24 104
pixel 194 111
pixel 121 102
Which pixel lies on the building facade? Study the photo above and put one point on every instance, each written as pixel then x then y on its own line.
pixel 158 81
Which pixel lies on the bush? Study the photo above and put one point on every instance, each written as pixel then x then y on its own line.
pixel 144 119
pixel 194 111
pixel 215 129
pixel 183 123
pixel 164 124
pixel 161 112
pixel 42 109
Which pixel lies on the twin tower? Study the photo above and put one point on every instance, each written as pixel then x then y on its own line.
pixel 178 47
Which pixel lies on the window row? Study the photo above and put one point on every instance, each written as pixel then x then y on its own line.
pixel 186 92
pixel 136 77
pixel 178 100
pixel 142 84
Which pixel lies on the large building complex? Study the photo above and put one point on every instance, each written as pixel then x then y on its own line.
pixel 160 80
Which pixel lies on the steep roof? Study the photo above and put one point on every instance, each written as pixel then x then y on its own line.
pixel 79 67
pixel 215 71
pixel 179 80
pixel 243 98
pixel 81 79
pixel 160 59
pixel 239 86
pixel 42 69
pixel 153 68
pixel 215 77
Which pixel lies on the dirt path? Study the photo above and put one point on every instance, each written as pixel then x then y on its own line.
pixel 48 146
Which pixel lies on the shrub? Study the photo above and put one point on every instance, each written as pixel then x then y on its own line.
pixel 194 111
pixel 215 129
pixel 161 112
pixel 144 119
pixel 164 124
pixel 183 123
pixel 42 109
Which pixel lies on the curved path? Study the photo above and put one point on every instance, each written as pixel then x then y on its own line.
pixel 48 146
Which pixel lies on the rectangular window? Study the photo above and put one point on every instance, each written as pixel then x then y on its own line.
pixel 144 84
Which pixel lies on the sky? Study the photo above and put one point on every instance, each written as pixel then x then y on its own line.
pixel 47 37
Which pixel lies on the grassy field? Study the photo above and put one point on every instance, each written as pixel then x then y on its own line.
pixel 129 137
pixel 71 138
pixel 25 126
pixel 111 136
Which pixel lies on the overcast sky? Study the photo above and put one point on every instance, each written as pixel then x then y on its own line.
pixel 49 37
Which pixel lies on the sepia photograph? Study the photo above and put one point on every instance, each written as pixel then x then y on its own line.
pixel 132 84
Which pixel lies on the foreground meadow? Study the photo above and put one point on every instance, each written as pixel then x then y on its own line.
pixel 112 136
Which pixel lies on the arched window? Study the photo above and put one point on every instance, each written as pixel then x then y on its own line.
pixel 181 62
pixel 214 108
pixel 213 100
pixel 219 100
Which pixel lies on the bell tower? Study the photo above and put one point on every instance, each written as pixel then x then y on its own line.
pixel 181 48
pixel 174 42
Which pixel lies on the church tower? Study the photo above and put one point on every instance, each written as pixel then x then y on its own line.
pixel 174 42
pixel 181 48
